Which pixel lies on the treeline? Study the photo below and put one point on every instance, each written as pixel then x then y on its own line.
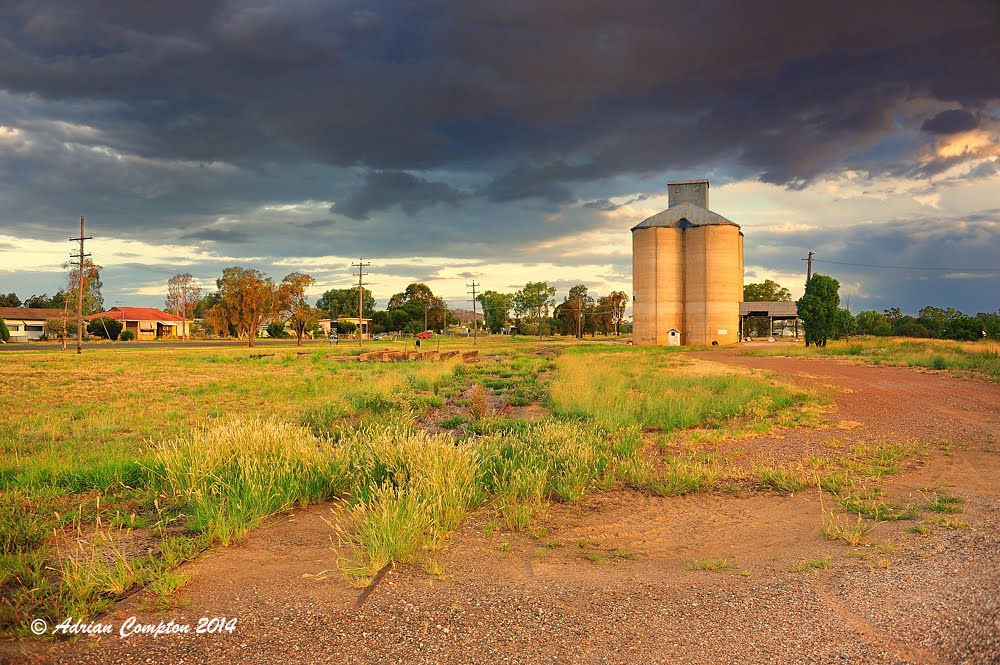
pixel 822 317
pixel 930 322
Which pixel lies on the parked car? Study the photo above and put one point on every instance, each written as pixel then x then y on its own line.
pixel 427 334
pixel 382 336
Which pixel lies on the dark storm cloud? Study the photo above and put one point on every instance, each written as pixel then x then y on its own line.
pixel 384 189
pixel 785 88
pixel 950 122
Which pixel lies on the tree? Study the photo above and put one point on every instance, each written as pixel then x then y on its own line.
pixel 9 300
pixel 56 327
pixel 93 301
pixel 4 332
pixel 893 314
pixel 344 302
pixel 496 309
pixel 183 295
pixel 963 328
pixel 105 327
pixel 534 300
pixel 818 308
pixel 990 322
pixel 618 301
pixel 766 291
pixel 293 305
pixel 276 330
pixel 248 299
pixel 217 321
pixel 421 305
pixel 844 324
pixel 43 301
pixel 871 322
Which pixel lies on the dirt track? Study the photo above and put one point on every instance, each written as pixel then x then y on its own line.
pixel 609 582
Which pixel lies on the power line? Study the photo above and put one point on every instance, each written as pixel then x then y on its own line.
pixel 922 268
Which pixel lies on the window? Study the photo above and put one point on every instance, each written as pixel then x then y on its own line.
pixel 33 328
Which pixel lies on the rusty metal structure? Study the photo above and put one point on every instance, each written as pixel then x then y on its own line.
pixel 687 272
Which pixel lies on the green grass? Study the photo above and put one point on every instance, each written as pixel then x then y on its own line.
pixel 812 565
pixel 190 448
pixel 981 357
pixel 712 565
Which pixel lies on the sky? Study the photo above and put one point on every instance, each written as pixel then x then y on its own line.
pixel 500 142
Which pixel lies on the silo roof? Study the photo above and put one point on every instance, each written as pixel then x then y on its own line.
pixel 675 216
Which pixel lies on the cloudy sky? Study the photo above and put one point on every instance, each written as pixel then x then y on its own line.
pixel 500 142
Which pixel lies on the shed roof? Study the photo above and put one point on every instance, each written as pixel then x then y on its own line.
pixel 684 215
pixel 30 313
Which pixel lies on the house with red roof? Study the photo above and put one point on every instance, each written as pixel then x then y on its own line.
pixel 148 322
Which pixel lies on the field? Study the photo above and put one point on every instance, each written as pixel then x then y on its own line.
pixel 121 466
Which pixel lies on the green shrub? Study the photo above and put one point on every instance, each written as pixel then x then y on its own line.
pixel 126 336
pixel 105 327
pixel 4 331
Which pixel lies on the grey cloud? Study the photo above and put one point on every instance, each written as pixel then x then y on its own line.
pixel 950 122
pixel 218 235
pixel 384 189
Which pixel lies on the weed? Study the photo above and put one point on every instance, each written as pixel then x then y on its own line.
pixel 478 403
pixel 453 422
pixel 873 507
pixel 947 522
pixel 714 565
pixel 779 478
pixel 812 565
pixel 945 503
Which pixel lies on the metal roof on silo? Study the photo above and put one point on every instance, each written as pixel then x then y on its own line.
pixel 676 216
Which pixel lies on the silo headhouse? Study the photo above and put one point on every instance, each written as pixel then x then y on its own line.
pixel 687 272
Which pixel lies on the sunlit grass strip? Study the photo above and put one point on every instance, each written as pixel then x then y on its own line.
pixel 229 477
pixel 979 357
pixel 656 390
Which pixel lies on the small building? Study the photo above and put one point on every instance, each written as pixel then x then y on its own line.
pixel 28 323
pixel 147 323
pixel 774 310
pixel 331 324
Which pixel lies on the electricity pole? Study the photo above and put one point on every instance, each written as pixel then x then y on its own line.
pixel 360 265
pixel 80 285
pixel 475 321
pixel 809 266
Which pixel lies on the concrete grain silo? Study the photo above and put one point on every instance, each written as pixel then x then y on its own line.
pixel 687 272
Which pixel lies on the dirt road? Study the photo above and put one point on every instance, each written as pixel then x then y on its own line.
pixel 623 577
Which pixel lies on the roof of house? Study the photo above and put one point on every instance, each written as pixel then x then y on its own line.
pixel 32 313
pixel 138 314
pixel 684 215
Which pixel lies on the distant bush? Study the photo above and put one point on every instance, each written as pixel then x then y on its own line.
pixel 277 330
pixel 4 331
pixel 126 336
pixel 105 327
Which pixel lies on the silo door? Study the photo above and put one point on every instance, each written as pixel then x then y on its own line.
pixel 674 338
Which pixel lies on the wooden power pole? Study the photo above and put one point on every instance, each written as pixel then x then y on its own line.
pixel 809 266
pixel 475 321
pixel 80 284
pixel 360 265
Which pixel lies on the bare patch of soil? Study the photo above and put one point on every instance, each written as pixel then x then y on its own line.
pixel 627 577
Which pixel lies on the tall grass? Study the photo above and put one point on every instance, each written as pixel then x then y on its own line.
pixel 657 389
pixel 228 477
